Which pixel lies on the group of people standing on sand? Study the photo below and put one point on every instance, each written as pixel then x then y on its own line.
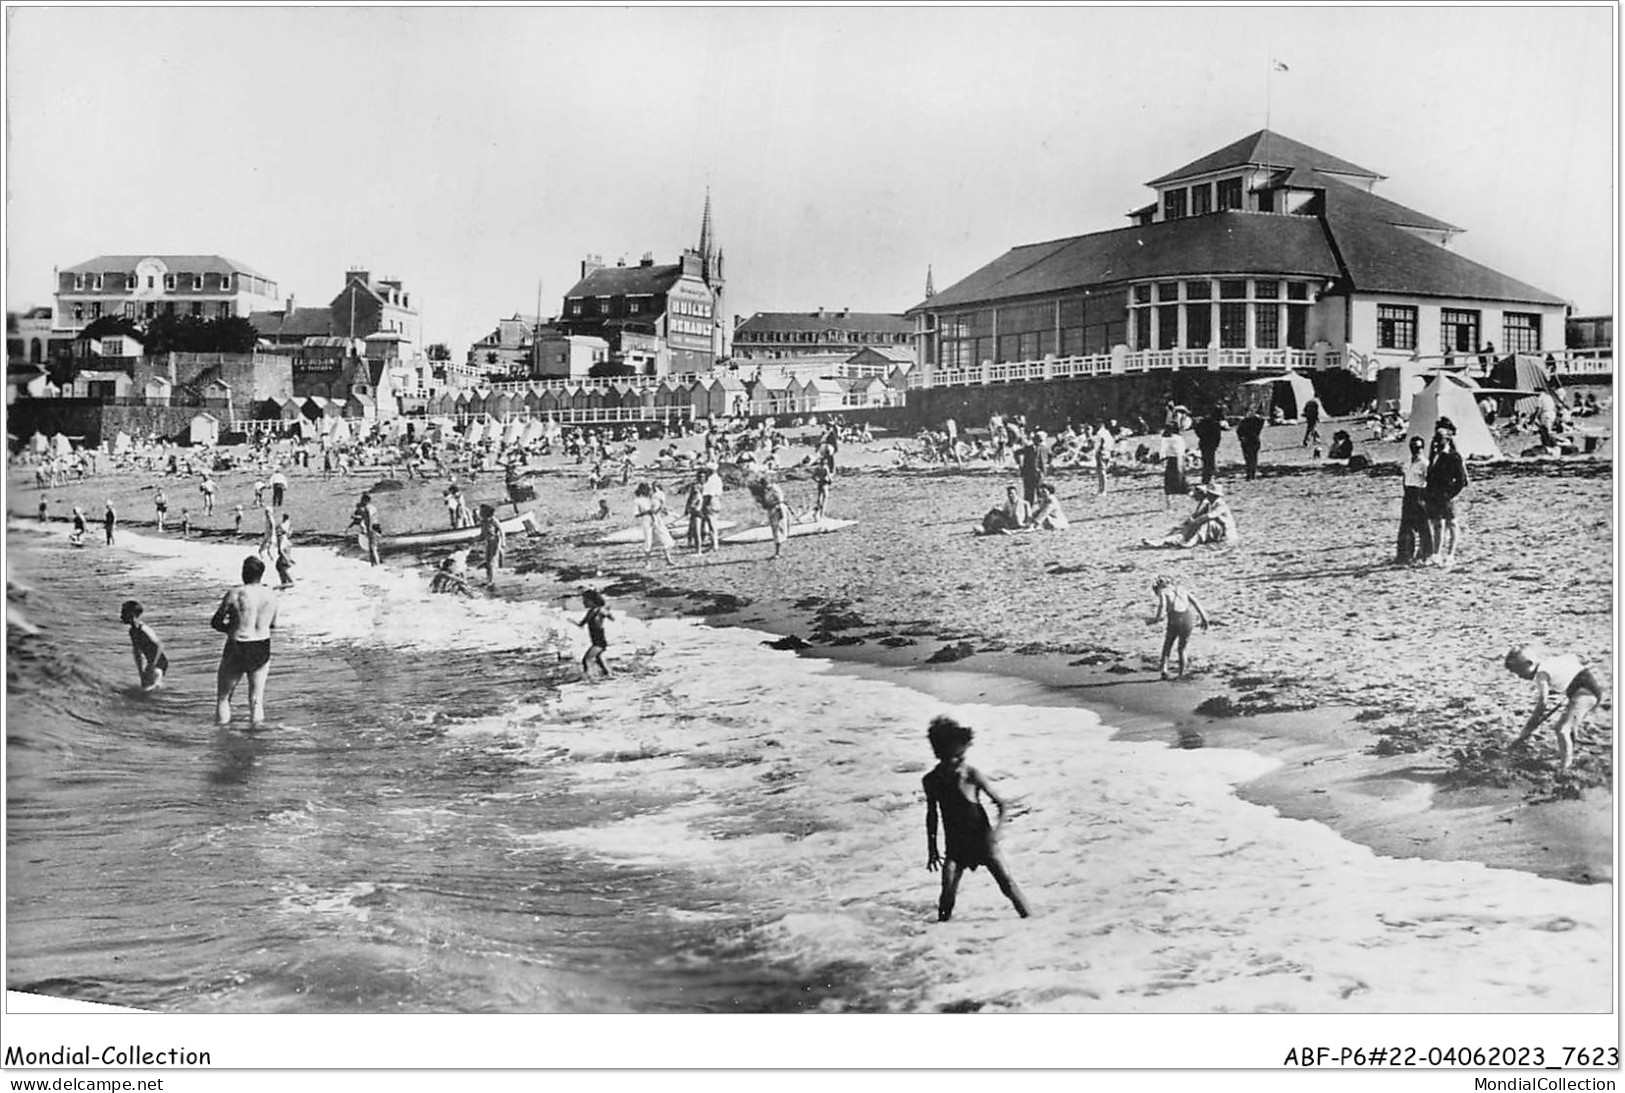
pixel 1428 523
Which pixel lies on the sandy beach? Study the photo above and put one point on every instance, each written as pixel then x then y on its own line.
pixel 1380 689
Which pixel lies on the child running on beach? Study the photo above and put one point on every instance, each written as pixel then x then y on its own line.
pixel 597 614
pixel 1178 603
pixel 1565 673
pixel 150 661
pixel 954 789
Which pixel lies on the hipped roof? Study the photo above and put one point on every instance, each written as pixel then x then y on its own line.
pixel 1265 148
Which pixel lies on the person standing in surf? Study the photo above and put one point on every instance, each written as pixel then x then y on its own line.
pixel 597 614
pixel 246 615
pixel 494 540
pixel 150 661
pixel 954 789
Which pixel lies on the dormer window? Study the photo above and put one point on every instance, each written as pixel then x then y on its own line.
pixel 1229 194
pixel 169 282
pixel 96 282
pixel 78 282
pixel 1173 204
pixel 225 282
pixel 1202 199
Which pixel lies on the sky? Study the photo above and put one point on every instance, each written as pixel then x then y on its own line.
pixel 479 154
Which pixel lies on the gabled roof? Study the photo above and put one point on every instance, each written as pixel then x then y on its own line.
pixel 896 353
pixel 177 263
pixel 764 322
pixel 1265 148
pixel 1231 242
pixel 627 280
pixel 303 322
pixel 1380 257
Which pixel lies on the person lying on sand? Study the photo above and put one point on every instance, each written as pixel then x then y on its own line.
pixel 1565 673
pixel 1211 522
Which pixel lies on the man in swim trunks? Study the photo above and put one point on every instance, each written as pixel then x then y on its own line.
pixel 246 615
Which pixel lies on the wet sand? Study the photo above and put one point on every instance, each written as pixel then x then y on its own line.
pixel 1379 689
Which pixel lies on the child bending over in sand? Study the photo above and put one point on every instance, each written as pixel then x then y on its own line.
pixel 1565 673
pixel 150 661
pixel 955 789
pixel 597 614
pixel 1178 603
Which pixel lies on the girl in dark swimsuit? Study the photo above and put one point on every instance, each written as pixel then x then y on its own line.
pixel 955 789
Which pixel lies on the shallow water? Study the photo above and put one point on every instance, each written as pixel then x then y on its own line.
pixel 441 818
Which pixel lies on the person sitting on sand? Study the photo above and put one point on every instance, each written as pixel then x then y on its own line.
pixel 1010 516
pixel 150 661
pixel 452 576
pixel 1566 674
pixel 1211 522
pixel 1048 515
pixel 953 790
pixel 1177 603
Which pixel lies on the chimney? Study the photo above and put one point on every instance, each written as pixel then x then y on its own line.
pixel 819 314
pixel 620 263
pixel 290 305
pixel 359 275
pixel 648 258
pixel 590 264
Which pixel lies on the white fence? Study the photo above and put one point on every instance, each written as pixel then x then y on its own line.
pixel 1125 362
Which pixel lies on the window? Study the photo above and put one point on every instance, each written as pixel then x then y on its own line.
pixel 1198 290
pixel 1232 326
pixel 1267 326
pixel 1168 327
pixel 129 309
pixel 197 308
pixel 96 310
pixel 1230 194
pixel 1266 290
pixel 1297 326
pixel 1202 199
pixel 1142 327
pixel 149 310
pixel 1232 290
pixel 1297 290
pixel 225 282
pixel 1142 294
pixel 130 283
pixel 1173 204
pixel 224 309
pixel 1458 330
pixel 1198 325
pixel 96 282
pixel 1396 326
pixel 78 313
pixel 78 282
pixel 633 307
pixel 1168 292
pixel 149 280
pixel 169 282
pixel 1520 332
pixel 197 282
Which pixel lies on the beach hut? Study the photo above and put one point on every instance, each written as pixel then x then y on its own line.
pixel 204 430
pixel 1522 372
pixel 768 394
pixel 1398 385
pixel 500 405
pixel 1288 391
pixel 866 391
pixel 361 407
pixel 699 397
pixel 1455 397
pixel 548 400
pixel 580 399
pixel 532 400
pixel 819 393
pixel 156 390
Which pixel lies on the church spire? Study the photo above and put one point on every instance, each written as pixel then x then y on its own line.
pixel 930 289
pixel 706 240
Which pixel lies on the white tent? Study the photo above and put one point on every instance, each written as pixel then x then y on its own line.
pixel 121 443
pixel 476 432
pixel 1288 391
pixel 42 443
pixel 1454 397
pixel 512 431
pixel 62 445
pixel 534 430
pixel 340 432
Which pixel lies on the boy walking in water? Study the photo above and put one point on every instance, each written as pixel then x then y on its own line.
pixel 150 661
pixel 955 789
pixel 246 615
pixel 594 621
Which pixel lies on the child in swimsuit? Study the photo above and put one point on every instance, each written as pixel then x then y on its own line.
pixel 78 536
pixel 150 661
pixel 594 620
pixel 1566 674
pixel 954 790
pixel 1179 604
